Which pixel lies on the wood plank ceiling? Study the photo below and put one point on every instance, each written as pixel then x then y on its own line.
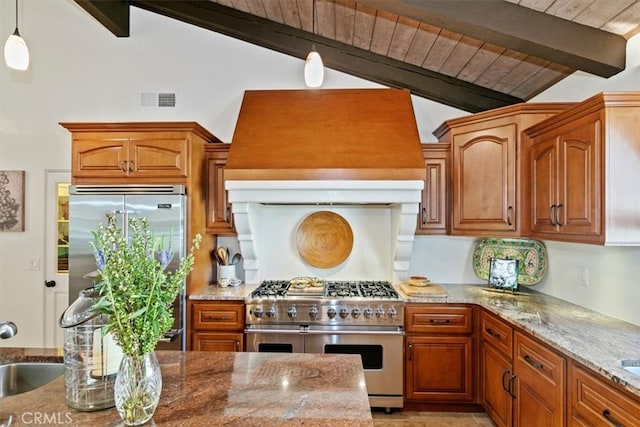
pixel 469 54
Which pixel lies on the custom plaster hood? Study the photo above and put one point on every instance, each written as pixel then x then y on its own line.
pixel 326 147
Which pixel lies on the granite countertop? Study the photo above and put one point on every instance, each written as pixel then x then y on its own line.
pixel 599 342
pixel 231 389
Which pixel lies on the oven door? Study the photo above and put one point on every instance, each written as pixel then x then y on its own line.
pixel 382 354
pixel 274 340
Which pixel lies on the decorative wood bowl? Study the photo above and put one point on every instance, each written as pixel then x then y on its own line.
pixel 324 239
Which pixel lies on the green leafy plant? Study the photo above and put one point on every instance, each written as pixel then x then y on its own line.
pixel 136 290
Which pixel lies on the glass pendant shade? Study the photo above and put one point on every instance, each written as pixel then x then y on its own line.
pixel 313 69
pixel 16 54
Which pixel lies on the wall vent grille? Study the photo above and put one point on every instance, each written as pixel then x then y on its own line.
pixel 157 100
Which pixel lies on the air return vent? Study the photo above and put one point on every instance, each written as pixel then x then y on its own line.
pixel 157 99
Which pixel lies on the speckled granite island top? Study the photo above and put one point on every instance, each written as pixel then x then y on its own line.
pixel 599 342
pixel 231 389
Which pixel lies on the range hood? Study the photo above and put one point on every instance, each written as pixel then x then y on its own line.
pixel 326 147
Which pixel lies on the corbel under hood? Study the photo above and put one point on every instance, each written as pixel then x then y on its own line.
pixel 324 147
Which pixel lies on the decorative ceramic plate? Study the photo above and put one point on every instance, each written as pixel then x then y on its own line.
pixel 531 254
pixel 324 239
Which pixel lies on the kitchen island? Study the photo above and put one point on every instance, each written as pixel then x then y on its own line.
pixel 231 389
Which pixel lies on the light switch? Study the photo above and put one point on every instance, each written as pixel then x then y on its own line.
pixel 34 264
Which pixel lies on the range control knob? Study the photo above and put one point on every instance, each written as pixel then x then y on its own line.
pixel 313 313
pixel 271 312
pixel 292 312
pixel 392 312
pixel 368 312
pixel 380 312
pixel 344 312
pixel 331 313
pixel 356 312
pixel 258 312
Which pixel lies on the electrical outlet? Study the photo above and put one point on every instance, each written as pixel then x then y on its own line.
pixel 34 264
pixel 583 274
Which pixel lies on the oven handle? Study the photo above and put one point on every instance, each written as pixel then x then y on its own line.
pixel 351 332
pixel 273 331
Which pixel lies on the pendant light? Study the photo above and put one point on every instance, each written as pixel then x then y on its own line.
pixel 16 54
pixel 313 66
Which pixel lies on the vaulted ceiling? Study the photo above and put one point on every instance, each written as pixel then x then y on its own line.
pixel 473 55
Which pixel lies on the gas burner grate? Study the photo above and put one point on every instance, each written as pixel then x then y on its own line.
pixel 271 289
pixel 333 289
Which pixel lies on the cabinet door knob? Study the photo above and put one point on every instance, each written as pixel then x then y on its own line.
pixel 607 414
pixel 558 223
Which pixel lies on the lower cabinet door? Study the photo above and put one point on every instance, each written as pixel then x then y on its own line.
pixel 497 378
pixel 206 341
pixel 439 369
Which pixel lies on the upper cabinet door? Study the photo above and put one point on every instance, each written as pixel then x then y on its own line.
pixel 432 215
pixel 100 156
pixel 161 156
pixel 544 185
pixel 484 180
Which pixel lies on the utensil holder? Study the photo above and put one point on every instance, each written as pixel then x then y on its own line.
pixel 227 272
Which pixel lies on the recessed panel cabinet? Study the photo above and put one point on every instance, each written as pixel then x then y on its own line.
pixel 219 216
pixel 433 209
pixel 485 168
pixel 582 186
pixel 217 326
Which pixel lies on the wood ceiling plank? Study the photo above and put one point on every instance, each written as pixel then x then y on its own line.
pixel 290 13
pixel 461 55
pixel 567 9
pixel 541 81
pixel 325 21
pixel 626 22
pixel 383 30
pixel 521 29
pixel 402 37
pixel 421 44
pixel 521 72
pixel 256 7
pixel 500 68
pixel 483 58
pixel 345 21
pixel 241 5
pixel 228 3
pixel 113 15
pixel 539 5
pixel 364 22
pixel 443 46
pixel 598 13
pixel 305 12
pixel 274 13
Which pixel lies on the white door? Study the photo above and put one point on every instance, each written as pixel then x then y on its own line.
pixel 56 254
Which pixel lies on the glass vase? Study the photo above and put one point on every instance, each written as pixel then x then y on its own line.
pixel 137 388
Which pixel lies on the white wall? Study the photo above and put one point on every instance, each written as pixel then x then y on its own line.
pixel 81 72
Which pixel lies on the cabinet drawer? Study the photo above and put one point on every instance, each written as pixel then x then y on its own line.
pixel 224 341
pixel 217 316
pixel 496 332
pixel 537 365
pixel 594 402
pixel 434 319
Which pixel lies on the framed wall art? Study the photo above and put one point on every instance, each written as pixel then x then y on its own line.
pixel 11 200
pixel 503 274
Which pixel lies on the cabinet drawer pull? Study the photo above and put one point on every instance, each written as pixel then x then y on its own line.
pixel 124 166
pixel 441 321
pixel 558 223
pixel 552 209
pixel 607 414
pixel 532 362
pixel 492 333
pixel 410 352
pixel 504 376
pixel 215 318
pixel 509 210
pixel 424 215
pixel 510 387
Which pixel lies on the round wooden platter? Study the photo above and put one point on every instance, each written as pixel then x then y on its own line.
pixel 324 239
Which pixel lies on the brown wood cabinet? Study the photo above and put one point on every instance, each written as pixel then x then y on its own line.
pixel 148 153
pixel 540 384
pixel 217 326
pixel 580 179
pixel 219 216
pixel 594 402
pixel 485 167
pixel 496 369
pixel 433 211
pixel 439 348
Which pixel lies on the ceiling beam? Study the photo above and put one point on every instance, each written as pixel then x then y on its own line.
pixel 113 14
pixel 338 56
pixel 519 28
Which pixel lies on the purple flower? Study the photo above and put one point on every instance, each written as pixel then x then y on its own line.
pixel 165 256
pixel 100 260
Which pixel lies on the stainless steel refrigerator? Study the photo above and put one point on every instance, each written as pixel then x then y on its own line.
pixel 165 208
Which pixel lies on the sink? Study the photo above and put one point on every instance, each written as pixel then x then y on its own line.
pixel 16 378
pixel 632 366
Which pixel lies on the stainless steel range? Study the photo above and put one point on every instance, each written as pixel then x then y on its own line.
pixel 353 317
